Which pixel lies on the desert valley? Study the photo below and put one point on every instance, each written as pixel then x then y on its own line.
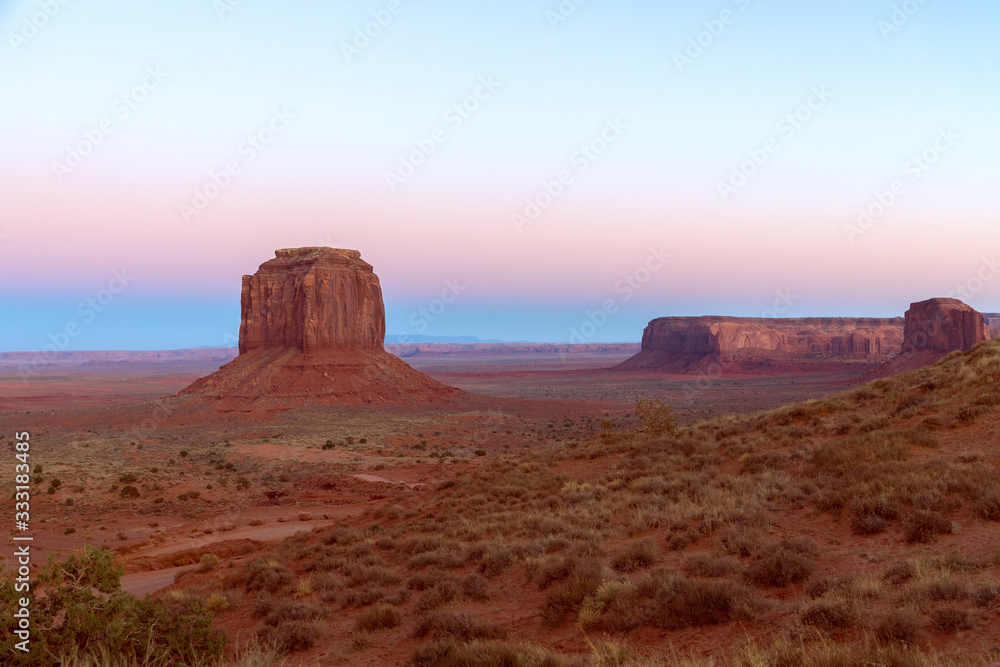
pixel 745 491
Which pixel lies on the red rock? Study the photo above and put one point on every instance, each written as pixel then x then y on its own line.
pixel 681 342
pixel 993 322
pixel 305 516
pixel 943 325
pixel 312 331
pixel 312 299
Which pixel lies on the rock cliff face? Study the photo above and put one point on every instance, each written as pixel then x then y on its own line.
pixel 993 322
pixel 312 299
pixel 311 332
pixel 681 342
pixel 943 325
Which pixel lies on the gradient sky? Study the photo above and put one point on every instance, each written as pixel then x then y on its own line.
pixel 226 67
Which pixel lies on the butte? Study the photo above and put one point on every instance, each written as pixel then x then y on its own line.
pixel 311 333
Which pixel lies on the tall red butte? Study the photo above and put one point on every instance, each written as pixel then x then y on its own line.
pixel 311 332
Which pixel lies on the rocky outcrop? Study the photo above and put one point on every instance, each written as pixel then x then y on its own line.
pixel 311 332
pixel 993 322
pixel 312 299
pixel 943 325
pixel 682 342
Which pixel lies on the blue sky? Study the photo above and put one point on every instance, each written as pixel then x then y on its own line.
pixel 873 86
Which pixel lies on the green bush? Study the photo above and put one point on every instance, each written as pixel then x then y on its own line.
pixel 84 611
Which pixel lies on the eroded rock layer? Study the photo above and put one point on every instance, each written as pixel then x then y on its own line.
pixel 680 342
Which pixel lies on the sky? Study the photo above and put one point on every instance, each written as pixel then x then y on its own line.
pixel 512 170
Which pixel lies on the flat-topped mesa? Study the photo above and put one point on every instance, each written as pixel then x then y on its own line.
pixel 681 342
pixel 312 299
pixel 943 325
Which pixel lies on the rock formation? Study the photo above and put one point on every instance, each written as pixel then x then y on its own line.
pixel 312 299
pixel 311 332
pixel 682 342
pixel 943 325
pixel 993 322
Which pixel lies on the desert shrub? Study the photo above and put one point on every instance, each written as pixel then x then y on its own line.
pixel 475 587
pixel 497 558
pixel 666 600
pixel 216 602
pixel 897 625
pixel 127 478
pixel 740 542
pixel 293 611
pixel 362 597
pixel 899 573
pixel 207 562
pixel 923 527
pixel 656 417
pixel 382 617
pixel 943 588
pixel 986 595
pixel 829 614
pixel 709 566
pixel 782 563
pixel 129 492
pixel 445 591
pixel 262 575
pixel 422 581
pixel 987 505
pixel 868 524
pixel 569 596
pixel 412 546
pixel 361 575
pixel 486 654
pixel 636 556
pixel 678 540
pixel 950 620
pixel 456 625
pixel 290 636
pixel 85 611
pixel 342 535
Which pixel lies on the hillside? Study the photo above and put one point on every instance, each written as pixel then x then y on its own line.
pixel 868 514
pixel 865 525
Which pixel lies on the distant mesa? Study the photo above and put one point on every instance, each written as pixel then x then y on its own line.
pixel 929 330
pixel 689 343
pixel 943 325
pixel 311 332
